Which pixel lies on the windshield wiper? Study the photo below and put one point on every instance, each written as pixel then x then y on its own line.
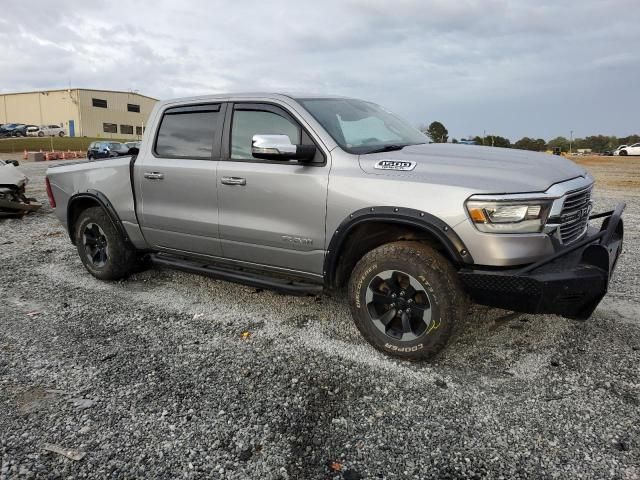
pixel 387 148
pixel 391 148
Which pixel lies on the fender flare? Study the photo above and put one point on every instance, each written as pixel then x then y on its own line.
pixel 402 216
pixel 103 201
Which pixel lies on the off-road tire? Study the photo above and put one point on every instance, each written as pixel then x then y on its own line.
pixel 438 278
pixel 121 258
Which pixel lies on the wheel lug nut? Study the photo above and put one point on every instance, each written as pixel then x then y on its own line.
pixel 408 310
pixel 393 295
pixel 402 294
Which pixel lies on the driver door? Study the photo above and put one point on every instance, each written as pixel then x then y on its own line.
pixel 272 212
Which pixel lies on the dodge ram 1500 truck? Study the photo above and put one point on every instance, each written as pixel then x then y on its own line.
pixel 305 193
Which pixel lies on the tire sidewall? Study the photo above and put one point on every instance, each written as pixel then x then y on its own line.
pixel 437 331
pixel 119 254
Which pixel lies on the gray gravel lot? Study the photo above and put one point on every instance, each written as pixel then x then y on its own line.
pixel 152 377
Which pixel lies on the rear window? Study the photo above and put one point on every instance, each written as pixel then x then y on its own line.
pixel 188 132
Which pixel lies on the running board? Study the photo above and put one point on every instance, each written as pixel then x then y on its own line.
pixel 237 276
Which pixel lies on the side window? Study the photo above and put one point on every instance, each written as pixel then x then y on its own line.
pixel 247 123
pixel 188 132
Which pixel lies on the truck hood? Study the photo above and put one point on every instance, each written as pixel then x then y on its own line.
pixel 481 169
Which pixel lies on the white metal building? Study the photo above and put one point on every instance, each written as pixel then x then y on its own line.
pixel 82 112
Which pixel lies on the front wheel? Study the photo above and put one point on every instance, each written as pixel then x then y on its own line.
pixel 102 249
pixel 623 153
pixel 41 134
pixel 61 134
pixel 405 299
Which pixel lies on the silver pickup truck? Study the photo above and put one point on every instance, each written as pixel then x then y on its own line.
pixel 305 193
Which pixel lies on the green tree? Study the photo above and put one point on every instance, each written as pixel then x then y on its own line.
pixel 561 142
pixel 527 143
pixel 493 141
pixel 437 133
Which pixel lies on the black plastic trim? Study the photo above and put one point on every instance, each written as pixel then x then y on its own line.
pixel 570 283
pixel 237 276
pixel 106 205
pixel 401 216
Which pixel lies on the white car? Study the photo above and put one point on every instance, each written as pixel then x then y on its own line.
pixel 623 150
pixel 48 130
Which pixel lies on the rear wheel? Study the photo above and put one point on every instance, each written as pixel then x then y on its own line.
pixel 405 299
pixel 103 251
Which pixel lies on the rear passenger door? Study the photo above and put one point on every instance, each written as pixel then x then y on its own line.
pixel 272 213
pixel 175 180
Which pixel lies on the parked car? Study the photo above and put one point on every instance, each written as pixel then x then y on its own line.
pixel 7 129
pixel 623 150
pixel 21 130
pixel 105 149
pixel 133 144
pixel 305 194
pixel 51 131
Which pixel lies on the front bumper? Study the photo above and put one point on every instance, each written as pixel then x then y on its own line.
pixel 570 283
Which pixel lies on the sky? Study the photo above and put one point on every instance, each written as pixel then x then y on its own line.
pixel 533 68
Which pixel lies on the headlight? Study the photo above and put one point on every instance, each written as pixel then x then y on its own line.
pixel 508 216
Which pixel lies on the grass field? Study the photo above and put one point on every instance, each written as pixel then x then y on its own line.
pixel 17 145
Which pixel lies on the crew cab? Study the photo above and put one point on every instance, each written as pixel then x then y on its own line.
pixel 306 193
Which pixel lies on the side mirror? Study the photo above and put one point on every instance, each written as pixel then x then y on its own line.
pixel 279 147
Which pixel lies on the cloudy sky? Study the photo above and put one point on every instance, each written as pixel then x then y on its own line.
pixel 513 68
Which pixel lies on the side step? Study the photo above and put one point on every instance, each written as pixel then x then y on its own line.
pixel 237 276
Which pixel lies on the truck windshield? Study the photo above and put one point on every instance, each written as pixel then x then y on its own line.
pixel 361 127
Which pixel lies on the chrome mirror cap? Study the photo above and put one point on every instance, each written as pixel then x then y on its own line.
pixel 273 146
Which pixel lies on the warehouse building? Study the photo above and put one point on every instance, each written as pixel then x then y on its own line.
pixel 81 112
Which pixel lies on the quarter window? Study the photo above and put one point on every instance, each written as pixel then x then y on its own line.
pixel 110 127
pixel 97 102
pixel 188 132
pixel 247 123
pixel 126 129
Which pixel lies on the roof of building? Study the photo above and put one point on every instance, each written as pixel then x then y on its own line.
pixel 75 88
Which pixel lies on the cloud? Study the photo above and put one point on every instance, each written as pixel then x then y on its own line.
pixel 535 68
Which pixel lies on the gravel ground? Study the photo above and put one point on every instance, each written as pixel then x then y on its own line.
pixel 172 375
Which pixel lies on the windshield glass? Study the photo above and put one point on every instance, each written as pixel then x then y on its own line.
pixel 361 127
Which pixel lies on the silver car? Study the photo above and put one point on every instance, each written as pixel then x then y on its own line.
pixel 307 193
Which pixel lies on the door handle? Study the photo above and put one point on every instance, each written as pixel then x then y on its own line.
pixel 233 181
pixel 154 175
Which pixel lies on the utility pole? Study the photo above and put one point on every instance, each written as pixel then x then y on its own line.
pixel 570 141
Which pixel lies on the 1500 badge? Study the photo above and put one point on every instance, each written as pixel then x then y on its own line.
pixel 395 165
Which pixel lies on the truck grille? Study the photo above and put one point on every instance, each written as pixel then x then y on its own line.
pixel 575 215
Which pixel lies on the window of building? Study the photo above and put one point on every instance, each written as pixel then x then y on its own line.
pixel 132 107
pixel 188 132
pixel 97 102
pixel 110 127
pixel 139 130
pixel 126 129
pixel 247 123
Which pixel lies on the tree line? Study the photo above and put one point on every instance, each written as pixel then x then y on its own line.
pixel 437 132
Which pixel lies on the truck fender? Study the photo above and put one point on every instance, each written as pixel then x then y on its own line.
pixel 102 200
pixel 402 217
